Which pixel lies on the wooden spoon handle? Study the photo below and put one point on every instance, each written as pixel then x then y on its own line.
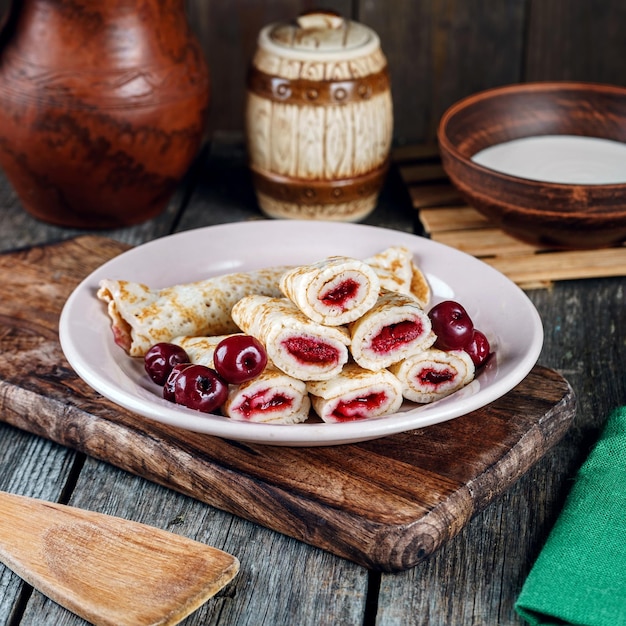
pixel 110 571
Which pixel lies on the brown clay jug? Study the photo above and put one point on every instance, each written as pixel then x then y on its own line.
pixel 103 107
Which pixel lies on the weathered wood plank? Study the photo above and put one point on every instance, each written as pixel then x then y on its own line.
pixel 438 52
pixel 444 219
pixel 115 492
pixel 486 242
pixel 563 265
pixel 34 467
pixel 418 152
pixel 432 195
pixel 576 40
pixel 228 33
pixel 421 172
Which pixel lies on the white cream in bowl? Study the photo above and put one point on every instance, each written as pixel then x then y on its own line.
pixel 565 159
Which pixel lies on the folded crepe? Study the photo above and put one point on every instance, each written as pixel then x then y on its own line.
pixel 394 329
pixel 142 316
pixel 272 397
pixel 433 374
pixel 200 350
pixel 397 271
pixel 356 394
pixel 295 344
pixel 335 291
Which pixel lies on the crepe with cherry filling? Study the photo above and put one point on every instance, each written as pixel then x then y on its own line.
pixel 393 329
pixel 295 344
pixel 272 397
pixel 142 315
pixel 433 374
pixel 334 291
pixel 356 394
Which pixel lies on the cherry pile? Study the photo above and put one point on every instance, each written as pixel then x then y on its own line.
pixel 160 360
pixel 237 359
pixel 455 331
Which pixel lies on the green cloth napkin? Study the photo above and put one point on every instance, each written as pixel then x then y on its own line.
pixel 580 574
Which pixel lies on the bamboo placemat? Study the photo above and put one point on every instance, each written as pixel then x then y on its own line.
pixel 446 218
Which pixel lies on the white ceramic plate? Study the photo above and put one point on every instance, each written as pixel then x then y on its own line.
pixel 498 307
pixel 563 159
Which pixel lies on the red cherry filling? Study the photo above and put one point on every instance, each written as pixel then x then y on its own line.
pixel 121 336
pixel 341 294
pixel 434 377
pixel 264 401
pixel 307 350
pixel 392 336
pixel 358 408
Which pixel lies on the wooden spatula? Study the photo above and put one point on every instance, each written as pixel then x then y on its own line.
pixel 108 570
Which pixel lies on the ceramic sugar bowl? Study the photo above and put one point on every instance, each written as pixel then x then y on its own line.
pixel 319 119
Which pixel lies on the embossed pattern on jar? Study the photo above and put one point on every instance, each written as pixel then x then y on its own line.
pixel 319 119
pixel 103 106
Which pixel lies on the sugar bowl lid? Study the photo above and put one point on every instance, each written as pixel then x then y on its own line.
pixel 319 34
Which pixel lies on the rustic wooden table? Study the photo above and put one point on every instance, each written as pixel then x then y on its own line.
pixel 474 578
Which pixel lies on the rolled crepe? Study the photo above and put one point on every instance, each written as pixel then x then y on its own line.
pixel 272 397
pixel 433 374
pixel 391 331
pixel 295 344
pixel 397 271
pixel 334 291
pixel 356 394
pixel 141 316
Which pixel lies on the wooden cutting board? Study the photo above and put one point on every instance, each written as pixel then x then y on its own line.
pixel 385 504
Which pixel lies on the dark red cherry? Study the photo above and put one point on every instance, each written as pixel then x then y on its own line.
pixel 478 348
pixel 452 325
pixel 239 358
pixel 199 387
pixel 160 360
pixel 168 387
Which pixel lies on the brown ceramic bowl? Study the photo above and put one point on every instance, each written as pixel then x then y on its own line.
pixel 545 213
